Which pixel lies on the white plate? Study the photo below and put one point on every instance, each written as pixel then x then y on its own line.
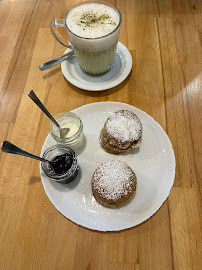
pixel 153 163
pixel 120 70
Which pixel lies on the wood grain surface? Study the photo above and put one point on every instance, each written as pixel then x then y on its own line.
pixel 165 41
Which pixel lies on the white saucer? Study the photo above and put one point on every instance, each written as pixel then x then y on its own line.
pixel 120 70
pixel 153 163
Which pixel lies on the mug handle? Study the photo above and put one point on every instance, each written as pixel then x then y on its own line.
pixel 53 27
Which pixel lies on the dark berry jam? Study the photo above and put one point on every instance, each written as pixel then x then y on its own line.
pixel 61 164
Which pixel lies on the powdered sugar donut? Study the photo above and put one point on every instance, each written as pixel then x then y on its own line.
pixel 113 183
pixel 122 131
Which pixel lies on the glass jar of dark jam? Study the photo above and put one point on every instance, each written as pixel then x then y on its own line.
pixel 63 166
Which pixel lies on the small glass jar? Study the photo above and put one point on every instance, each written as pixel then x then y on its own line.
pixel 58 150
pixel 75 137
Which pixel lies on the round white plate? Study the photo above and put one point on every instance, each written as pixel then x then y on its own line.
pixel 153 164
pixel 120 70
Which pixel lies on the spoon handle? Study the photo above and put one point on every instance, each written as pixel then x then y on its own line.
pixel 11 148
pixel 33 96
pixel 55 61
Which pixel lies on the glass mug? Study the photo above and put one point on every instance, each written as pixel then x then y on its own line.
pixel 95 55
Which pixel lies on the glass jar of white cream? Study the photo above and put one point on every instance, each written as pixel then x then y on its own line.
pixel 74 137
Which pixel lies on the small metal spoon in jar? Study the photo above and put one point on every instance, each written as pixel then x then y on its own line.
pixel 56 169
pixel 8 147
pixel 63 131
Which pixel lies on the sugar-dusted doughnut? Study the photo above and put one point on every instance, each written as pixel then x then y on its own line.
pixel 113 183
pixel 122 131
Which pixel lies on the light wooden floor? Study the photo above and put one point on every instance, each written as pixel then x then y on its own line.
pixel 165 41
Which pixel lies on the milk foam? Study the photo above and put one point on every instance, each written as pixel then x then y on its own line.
pixel 93 21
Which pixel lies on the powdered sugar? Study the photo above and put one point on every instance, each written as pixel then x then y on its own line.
pixel 113 179
pixel 124 126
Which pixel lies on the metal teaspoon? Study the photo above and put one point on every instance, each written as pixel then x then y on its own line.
pixel 63 131
pixel 55 61
pixel 8 147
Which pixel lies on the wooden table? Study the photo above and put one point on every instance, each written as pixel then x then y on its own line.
pixel 165 41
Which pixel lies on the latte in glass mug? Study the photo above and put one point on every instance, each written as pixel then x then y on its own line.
pixel 93 28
